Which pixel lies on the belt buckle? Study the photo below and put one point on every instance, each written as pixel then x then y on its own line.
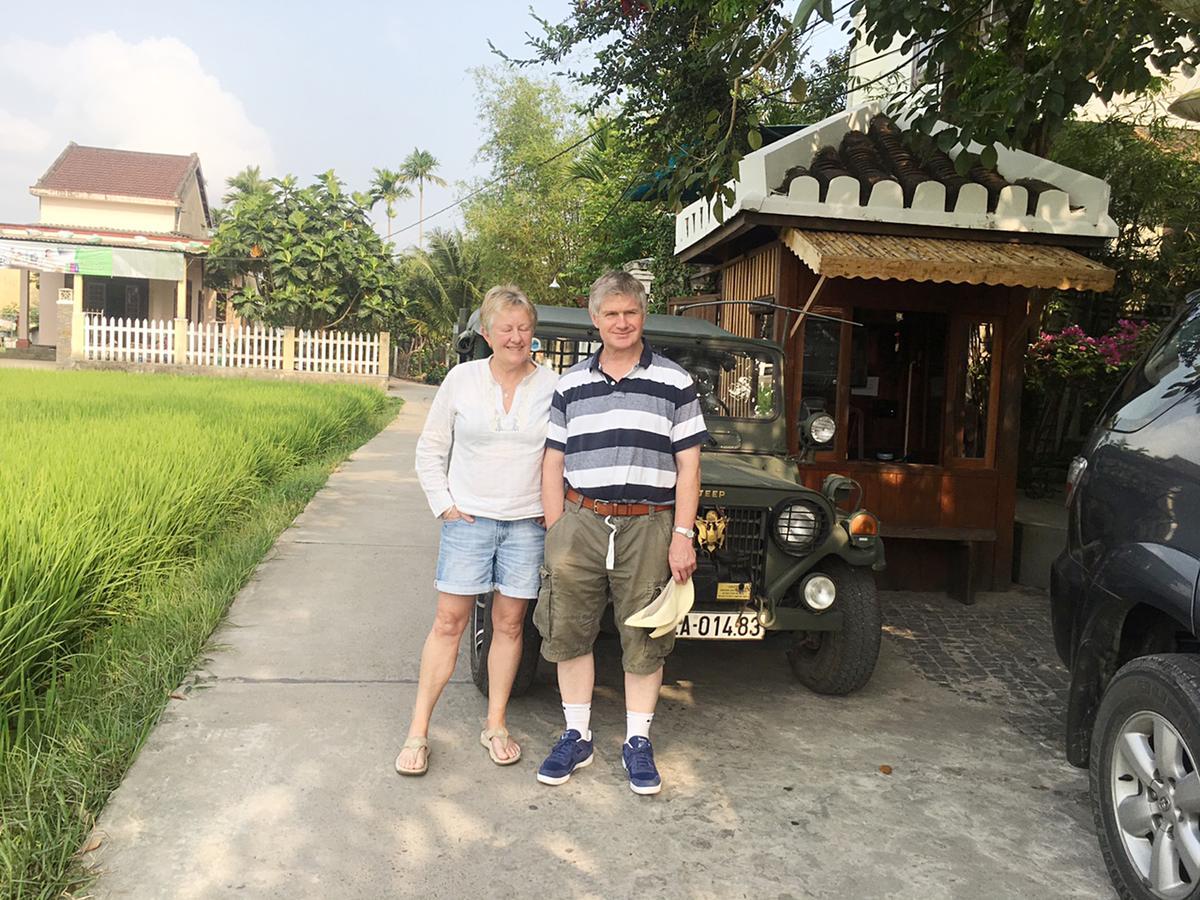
pixel 607 504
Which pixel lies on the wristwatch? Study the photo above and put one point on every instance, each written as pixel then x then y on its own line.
pixel 688 533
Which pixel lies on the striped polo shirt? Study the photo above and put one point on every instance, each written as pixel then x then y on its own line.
pixel 619 438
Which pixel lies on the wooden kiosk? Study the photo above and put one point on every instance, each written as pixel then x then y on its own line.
pixel 939 281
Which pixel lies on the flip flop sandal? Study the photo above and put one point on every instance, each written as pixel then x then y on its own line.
pixel 488 735
pixel 414 743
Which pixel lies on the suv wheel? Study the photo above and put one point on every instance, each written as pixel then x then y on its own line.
pixel 840 662
pixel 481 643
pixel 1144 784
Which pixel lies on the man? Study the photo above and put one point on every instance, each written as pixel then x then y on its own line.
pixel 624 440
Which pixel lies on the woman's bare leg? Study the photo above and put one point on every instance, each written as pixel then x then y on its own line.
pixel 437 665
pixel 504 657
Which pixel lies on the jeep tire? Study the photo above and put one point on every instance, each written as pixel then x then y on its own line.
pixel 1144 783
pixel 840 662
pixel 480 635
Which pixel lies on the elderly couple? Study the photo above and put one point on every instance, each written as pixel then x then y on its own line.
pixel 562 491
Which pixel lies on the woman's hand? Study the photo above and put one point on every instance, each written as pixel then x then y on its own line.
pixel 453 513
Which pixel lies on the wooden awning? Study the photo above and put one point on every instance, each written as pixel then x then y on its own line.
pixel 836 254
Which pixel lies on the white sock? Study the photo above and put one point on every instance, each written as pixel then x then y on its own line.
pixel 579 717
pixel 637 725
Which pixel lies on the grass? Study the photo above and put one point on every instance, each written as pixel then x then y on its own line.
pixel 218 469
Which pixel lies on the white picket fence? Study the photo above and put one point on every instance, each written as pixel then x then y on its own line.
pixel 235 347
pixel 337 351
pixel 218 345
pixel 128 340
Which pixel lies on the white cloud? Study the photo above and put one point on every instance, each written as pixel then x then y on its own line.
pixel 153 95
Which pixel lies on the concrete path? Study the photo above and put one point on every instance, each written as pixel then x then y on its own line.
pixel 274 777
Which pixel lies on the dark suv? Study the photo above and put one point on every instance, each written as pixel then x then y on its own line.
pixel 1124 597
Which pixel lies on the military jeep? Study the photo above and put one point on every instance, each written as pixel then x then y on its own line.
pixel 775 559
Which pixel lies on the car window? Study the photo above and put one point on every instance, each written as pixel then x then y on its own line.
pixel 1171 368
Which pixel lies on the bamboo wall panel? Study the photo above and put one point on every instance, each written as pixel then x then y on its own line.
pixel 749 278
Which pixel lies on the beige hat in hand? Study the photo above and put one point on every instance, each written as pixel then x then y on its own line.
pixel 667 610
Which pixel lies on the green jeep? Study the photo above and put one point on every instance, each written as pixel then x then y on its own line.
pixel 773 557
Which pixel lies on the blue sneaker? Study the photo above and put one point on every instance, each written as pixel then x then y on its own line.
pixel 570 752
pixel 638 757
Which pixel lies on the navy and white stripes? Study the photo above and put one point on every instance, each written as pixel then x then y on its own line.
pixel 619 438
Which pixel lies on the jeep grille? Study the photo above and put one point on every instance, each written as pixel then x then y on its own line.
pixel 745 539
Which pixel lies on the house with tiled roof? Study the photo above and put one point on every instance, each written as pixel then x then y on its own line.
pixel 120 234
pixel 903 293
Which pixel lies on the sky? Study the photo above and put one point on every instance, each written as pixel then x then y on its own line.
pixel 295 88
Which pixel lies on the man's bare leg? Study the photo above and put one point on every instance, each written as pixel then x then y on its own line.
pixel 577 679
pixel 641 691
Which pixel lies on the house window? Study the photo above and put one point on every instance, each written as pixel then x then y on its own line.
pixel 976 391
pixel 822 346
pixel 897 386
pixel 94 295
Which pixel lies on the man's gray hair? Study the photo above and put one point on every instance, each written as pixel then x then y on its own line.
pixel 504 296
pixel 615 282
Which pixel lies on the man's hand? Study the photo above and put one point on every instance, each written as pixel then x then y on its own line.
pixel 682 558
pixel 454 513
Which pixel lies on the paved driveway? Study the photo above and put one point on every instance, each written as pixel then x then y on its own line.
pixel 274 777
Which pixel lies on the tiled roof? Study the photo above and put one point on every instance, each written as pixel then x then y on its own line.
pixel 124 173
pixel 863 170
pixel 886 154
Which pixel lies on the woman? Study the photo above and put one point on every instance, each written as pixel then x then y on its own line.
pixel 487 492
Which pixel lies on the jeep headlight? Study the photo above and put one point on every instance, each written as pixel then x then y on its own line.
pixel 821 428
pixel 797 526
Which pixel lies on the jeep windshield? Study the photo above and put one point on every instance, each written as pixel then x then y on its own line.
pixel 732 382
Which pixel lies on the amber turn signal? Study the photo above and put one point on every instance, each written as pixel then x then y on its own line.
pixel 863 524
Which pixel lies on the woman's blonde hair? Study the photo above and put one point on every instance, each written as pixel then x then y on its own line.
pixel 504 296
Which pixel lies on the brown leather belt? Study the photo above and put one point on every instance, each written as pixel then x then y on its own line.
pixel 608 508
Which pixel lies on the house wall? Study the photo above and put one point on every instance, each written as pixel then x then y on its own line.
pixel 191 214
pixel 162 300
pixel 112 214
pixel 49 284
pixel 10 280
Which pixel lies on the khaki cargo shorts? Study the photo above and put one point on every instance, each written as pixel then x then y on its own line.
pixel 576 585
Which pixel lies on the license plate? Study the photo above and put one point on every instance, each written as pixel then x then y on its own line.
pixel 708 626
pixel 733 590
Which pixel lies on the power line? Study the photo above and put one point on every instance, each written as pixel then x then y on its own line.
pixel 506 176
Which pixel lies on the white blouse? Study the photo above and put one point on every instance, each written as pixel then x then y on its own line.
pixel 474 455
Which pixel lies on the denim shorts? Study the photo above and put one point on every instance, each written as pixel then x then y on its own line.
pixel 475 557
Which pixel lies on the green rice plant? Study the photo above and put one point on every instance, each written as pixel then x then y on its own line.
pixel 100 703
pixel 109 480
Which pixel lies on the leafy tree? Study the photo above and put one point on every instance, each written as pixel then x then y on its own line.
pixel 387 187
pixel 693 77
pixel 1012 71
pixel 419 166
pixel 1154 172
pixel 304 256
pixel 528 225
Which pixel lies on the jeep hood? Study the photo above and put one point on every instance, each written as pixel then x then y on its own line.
pixel 720 469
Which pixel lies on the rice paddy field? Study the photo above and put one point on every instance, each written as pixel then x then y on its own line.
pixel 132 508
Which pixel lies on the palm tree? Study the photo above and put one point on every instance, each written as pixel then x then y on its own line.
pixel 419 167
pixel 246 183
pixel 388 186
pixel 438 284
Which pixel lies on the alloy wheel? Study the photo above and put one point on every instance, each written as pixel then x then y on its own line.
pixel 1156 802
